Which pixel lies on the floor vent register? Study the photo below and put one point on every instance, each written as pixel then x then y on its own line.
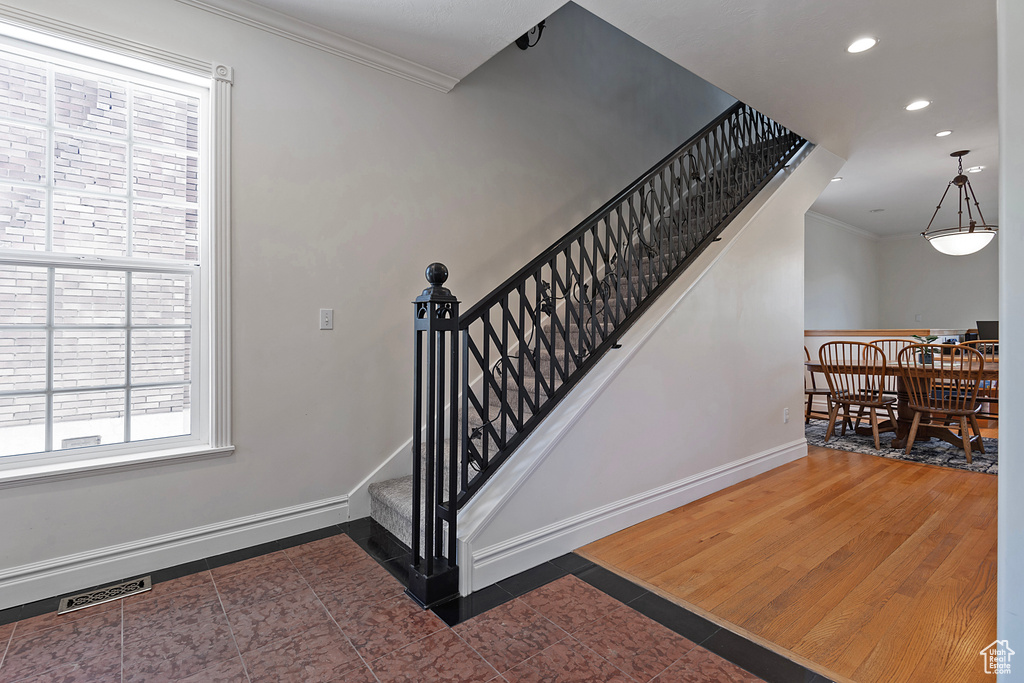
pixel 104 594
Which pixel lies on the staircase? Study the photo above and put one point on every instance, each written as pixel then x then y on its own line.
pixel 549 355
pixel 525 345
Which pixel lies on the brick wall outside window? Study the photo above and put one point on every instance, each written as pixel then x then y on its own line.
pixel 96 166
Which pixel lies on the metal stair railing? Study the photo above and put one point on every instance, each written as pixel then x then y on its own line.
pixel 527 343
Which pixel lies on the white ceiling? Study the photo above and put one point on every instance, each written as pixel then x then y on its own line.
pixel 786 58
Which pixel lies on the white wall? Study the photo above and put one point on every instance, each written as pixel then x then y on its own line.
pixel 856 281
pixel 1010 609
pixel 841 272
pixel 347 182
pixel 694 402
pixel 948 292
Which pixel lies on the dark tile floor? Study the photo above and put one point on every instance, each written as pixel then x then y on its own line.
pixel 328 607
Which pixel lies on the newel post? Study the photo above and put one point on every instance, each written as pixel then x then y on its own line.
pixel 433 574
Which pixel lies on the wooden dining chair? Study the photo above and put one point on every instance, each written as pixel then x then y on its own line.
pixel 942 382
pixel 891 349
pixel 856 373
pixel 813 390
pixel 988 390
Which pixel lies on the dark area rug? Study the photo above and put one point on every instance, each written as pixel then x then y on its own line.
pixel 931 452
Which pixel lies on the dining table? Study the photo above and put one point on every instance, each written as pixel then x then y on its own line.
pixel 927 429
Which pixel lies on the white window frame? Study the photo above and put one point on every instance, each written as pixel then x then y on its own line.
pixel 211 395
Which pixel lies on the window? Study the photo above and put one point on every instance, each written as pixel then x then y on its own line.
pixel 109 330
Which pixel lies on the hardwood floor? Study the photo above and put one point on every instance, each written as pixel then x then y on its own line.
pixel 863 568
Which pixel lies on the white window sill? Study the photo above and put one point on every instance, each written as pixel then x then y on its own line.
pixel 17 474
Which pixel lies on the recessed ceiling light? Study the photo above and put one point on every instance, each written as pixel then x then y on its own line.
pixel 862 44
pixel 976 169
pixel 836 179
pixel 876 210
pixel 918 104
pixel 943 133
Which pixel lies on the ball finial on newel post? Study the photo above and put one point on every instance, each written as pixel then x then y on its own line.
pixel 437 274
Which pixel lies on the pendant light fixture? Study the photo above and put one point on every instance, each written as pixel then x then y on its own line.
pixel 961 240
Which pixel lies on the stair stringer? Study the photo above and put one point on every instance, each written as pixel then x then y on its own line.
pixel 532 509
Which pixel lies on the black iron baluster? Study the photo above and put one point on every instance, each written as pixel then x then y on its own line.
pixel 437 472
pixel 533 349
pixel 611 260
pixel 422 312
pixel 535 352
pixel 581 322
pixel 565 284
pixel 485 446
pixel 522 354
pixel 456 451
pixel 626 262
pixel 676 210
pixel 465 444
pixel 655 211
pixel 596 285
pixel 635 227
pixel 552 310
pixel 503 355
pixel 649 278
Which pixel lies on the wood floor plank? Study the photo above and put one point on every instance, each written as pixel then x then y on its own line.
pixel 874 570
pixel 867 512
pixel 850 615
pixel 762 542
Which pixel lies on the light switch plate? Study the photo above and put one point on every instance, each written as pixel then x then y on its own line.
pixel 326 318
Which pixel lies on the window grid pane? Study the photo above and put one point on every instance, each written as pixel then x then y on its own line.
pixel 22 217
pixel 96 416
pixel 89 297
pixel 97 166
pixel 22 89
pixel 23 360
pixel 88 358
pixel 90 225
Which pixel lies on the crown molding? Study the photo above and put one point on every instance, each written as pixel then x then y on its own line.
pixel 897 238
pixel 835 223
pixel 282 25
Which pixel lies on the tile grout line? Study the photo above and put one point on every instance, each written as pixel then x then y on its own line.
pixel 231 630
pixel 605 659
pixel 7 645
pixel 572 636
pixel 331 616
pixel 598 654
pixel 566 634
pixel 482 658
pixel 363 659
pixel 674 662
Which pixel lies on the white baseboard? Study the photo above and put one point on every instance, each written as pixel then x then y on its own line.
pixel 50 578
pixel 500 561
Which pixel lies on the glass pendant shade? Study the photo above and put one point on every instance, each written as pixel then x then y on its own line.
pixel 957 243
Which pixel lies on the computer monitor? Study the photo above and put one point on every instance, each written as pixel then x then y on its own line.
pixel 988 329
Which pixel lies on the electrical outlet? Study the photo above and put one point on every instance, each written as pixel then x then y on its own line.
pixel 326 318
pixel 917 318
pixel 785 415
